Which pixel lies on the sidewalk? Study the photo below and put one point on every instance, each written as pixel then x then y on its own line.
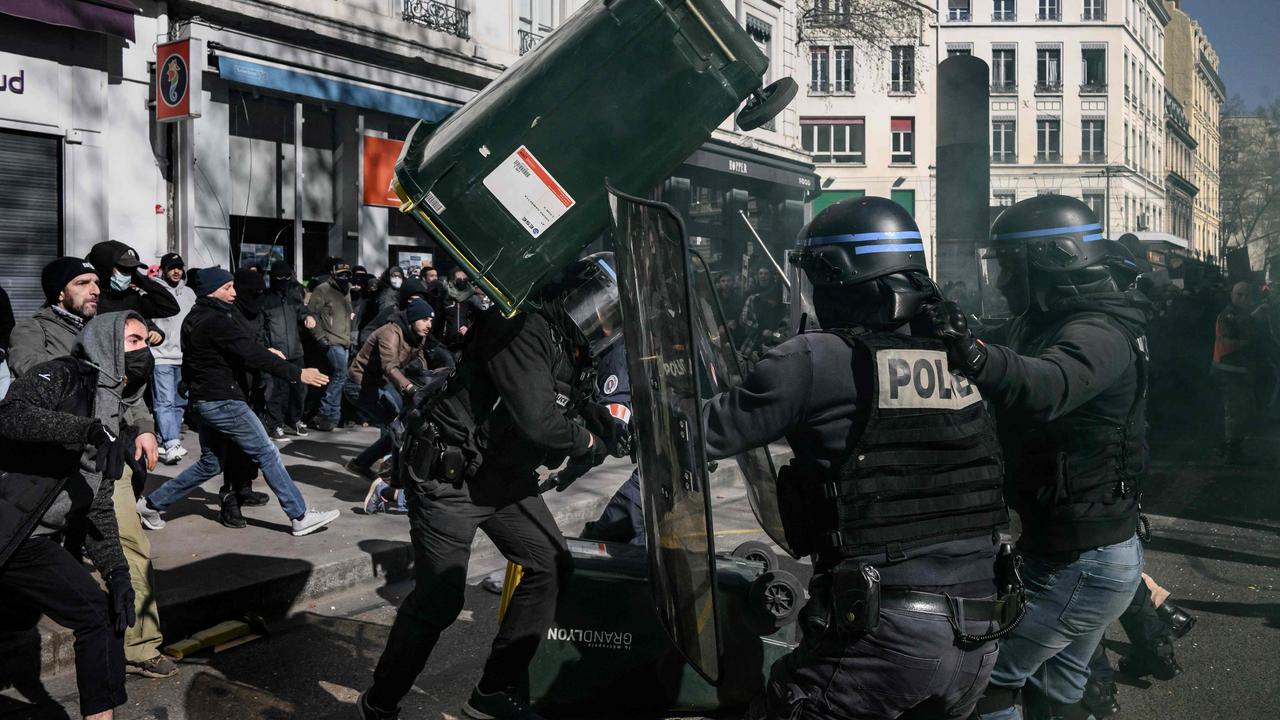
pixel 206 573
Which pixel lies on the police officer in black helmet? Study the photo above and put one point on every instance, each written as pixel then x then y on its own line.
pixel 895 489
pixel 519 399
pixel 1069 389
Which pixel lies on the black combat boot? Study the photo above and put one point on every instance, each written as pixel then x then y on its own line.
pixel 1100 698
pixel 1156 660
pixel 1179 621
pixel 230 515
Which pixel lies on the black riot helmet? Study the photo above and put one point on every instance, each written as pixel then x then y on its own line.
pixel 1123 265
pixel 1047 248
pixel 585 301
pixel 865 259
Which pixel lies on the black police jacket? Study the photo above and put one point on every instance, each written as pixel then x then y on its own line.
pixel 1070 396
pixel 809 390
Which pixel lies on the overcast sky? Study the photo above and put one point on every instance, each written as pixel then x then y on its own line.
pixel 1246 34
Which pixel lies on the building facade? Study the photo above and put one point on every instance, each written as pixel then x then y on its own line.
pixel 1192 66
pixel 301 111
pixel 1180 159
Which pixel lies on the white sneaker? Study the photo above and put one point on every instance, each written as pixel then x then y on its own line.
pixel 173 455
pixel 150 518
pixel 313 521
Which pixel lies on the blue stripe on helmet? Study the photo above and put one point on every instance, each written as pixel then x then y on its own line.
pixel 869 249
pixel 1093 238
pixel 862 237
pixel 607 269
pixel 1049 231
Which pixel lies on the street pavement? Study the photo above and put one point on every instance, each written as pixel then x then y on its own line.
pixel 1215 547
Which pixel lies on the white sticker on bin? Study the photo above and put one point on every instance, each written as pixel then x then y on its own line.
pixel 526 189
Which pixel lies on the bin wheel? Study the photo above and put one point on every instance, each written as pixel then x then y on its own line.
pixel 764 104
pixel 757 551
pixel 777 597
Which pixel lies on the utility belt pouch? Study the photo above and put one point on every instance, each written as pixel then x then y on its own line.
pixel 855 598
pixel 797 522
pixel 453 463
pixel 1009 582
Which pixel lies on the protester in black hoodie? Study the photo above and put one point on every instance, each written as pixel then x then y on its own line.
pixel 124 285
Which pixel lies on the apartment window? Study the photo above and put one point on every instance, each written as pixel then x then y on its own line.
pixel 1004 146
pixel 902 69
pixel 1127 94
pixel 902 130
pixel 536 21
pixel 1004 11
pixel 958 10
pixel 1004 69
pixel 1004 198
pixel 1093 145
pixel 1127 154
pixel 843 82
pixel 1095 9
pixel 834 140
pixel 819 64
pixel 1093 62
pixel 1050 10
pixel 1048 141
pixel 832 7
pixel 1049 70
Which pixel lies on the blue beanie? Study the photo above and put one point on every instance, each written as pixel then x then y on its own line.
pixel 211 278
pixel 418 310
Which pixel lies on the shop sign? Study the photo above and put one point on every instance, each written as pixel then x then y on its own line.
pixel 179 66
pixel 379 168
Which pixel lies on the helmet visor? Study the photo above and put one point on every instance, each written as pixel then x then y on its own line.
pixel 1004 289
pixel 593 307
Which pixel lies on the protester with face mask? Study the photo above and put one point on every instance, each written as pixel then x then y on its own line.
pixel 216 352
pixel 285 319
pixel 331 304
pixel 124 284
pixel 67 456
pixel 167 402
pixel 458 314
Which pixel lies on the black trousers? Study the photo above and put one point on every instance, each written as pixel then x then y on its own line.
pixel 284 400
pixel 1143 626
pixel 42 575
pixel 443 522
pixel 910 666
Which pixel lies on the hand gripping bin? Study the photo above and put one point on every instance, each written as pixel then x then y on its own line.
pixel 512 186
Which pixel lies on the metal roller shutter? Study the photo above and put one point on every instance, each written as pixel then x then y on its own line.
pixel 30 215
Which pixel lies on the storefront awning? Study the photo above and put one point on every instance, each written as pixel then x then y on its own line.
pixel 110 17
pixel 320 87
pixel 724 158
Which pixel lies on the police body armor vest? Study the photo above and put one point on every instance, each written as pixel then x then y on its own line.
pixel 1075 480
pixel 922 464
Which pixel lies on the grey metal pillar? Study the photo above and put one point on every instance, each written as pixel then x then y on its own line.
pixel 297 191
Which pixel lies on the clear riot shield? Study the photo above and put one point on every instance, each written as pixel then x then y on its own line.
pixel 654 288
pixel 720 372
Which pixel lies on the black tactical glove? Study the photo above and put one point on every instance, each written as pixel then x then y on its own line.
pixel 112 451
pixel 615 433
pixel 574 469
pixel 966 353
pixel 120 599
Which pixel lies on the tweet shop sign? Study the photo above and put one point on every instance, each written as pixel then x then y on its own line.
pixel 179 66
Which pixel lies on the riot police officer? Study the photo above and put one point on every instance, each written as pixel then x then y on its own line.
pixel 895 489
pixel 1069 389
pixel 470 462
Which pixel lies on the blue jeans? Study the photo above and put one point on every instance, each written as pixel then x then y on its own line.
pixel 168 404
pixel 220 421
pixel 331 405
pixel 1069 606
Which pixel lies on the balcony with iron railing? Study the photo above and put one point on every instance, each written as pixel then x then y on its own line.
pixel 1004 16
pixel 529 40
pixel 1049 87
pixel 1093 88
pixel 1048 157
pixel 1004 158
pixel 902 87
pixel 438 16
pixel 1049 15
pixel 1094 16
pixel 1004 88
pixel 1093 158
pixel 959 15
pixel 826 19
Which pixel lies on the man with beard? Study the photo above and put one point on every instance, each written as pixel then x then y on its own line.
pixel 285 319
pixel 331 304
pixel 71 298
pixel 1069 389
pixel 167 402
pixel 217 353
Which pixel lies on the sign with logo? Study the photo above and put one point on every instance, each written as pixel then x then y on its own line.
pixel 379 167
pixel 179 65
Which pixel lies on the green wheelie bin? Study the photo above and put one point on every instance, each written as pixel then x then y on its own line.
pixel 512 186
